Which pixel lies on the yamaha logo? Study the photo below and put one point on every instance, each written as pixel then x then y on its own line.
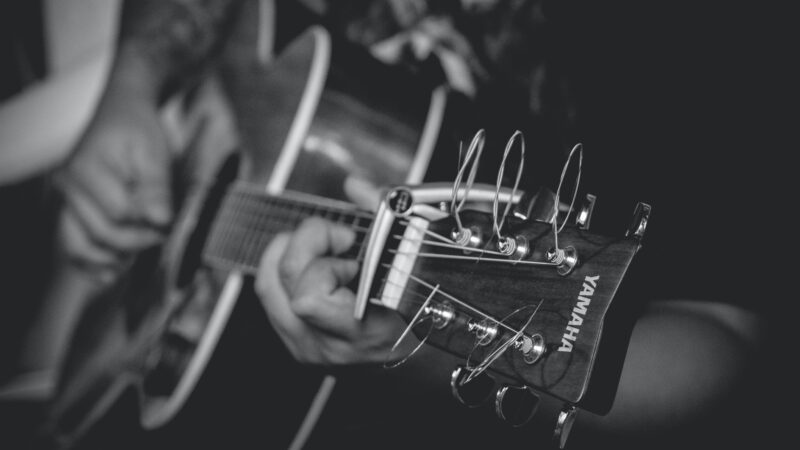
pixel 578 314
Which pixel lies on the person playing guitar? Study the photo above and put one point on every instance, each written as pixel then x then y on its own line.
pixel 118 189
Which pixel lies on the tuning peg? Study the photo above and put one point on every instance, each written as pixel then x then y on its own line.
pixel 584 217
pixel 472 393
pixel 536 206
pixel 515 405
pixel 564 425
pixel 641 215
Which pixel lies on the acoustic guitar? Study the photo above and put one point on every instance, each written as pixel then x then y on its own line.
pixel 513 284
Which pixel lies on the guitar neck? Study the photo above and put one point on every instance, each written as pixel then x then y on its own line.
pixel 249 218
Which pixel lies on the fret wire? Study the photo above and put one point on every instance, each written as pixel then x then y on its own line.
pixel 251 266
pixel 248 222
pixel 231 207
pixel 293 218
pixel 250 246
pixel 290 199
pixel 239 245
pixel 246 213
pixel 326 213
pixel 276 227
pixel 361 248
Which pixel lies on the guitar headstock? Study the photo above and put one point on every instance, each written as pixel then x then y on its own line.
pixel 521 298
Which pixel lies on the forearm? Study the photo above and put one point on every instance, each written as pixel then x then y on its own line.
pixel 164 44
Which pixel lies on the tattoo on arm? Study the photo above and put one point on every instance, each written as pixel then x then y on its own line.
pixel 174 38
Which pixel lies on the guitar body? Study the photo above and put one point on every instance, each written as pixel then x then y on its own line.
pixel 177 345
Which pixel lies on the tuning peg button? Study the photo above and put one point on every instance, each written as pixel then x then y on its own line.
pixel 515 405
pixel 473 393
pixel 584 217
pixel 564 425
pixel 641 215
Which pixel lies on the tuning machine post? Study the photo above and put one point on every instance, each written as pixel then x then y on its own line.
pixel 508 245
pixel 442 314
pixel 565 259
pixel 484 330
pixel 532 347
pixel 467 237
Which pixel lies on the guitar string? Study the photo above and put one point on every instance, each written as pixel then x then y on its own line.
pixel 473 258
pixel 260 239
pixel 476 149
pixel 257 191
pixel 249 237
pixel 494 355
pixel 419 294
pixel 427 231
pixel 405 332
pixel 440 237
pixel 451 246
pixel 509 145
pixel 261 229
pixel 487 361
pixel 423 294
pixel 556 228
pixel 299 212
pixel 269 230
pixel 245 193
pixel 235 242
pixel 261 223
pixel 454 246
pixel 340 215
pixel 428 286
pixel 359 244
pixel 315 208
pixel 448 296
pixel 481 367
pixel 290 203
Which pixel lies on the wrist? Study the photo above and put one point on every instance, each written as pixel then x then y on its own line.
pixel 134 75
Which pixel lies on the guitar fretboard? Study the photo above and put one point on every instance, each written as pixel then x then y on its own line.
pixel 249 219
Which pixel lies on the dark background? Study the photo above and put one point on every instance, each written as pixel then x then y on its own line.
pixel 683 105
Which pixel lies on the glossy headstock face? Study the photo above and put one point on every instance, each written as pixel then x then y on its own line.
pixel 531 314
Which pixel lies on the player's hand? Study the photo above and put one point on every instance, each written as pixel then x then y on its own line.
pixel 116 185
pixel 302 283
